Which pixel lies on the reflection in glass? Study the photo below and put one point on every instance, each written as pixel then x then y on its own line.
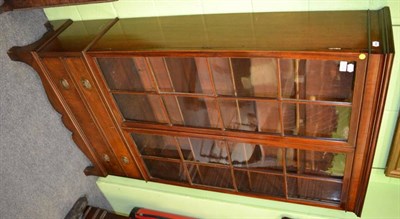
pixel 243 153
pixel 257 157
pixel 161 74
pixel 252 182
pixel 316 120
pixel 250 115
pixel 243 181
pixel 209 150
pixel 210 176
pixel 156 145
pixel 140 107
pixel 200 112
pixel 314 190
pixel 255 77
pixel 315 163
pixel 185 145
pixel 191 111
pixel 126 74
pixel 166 170
pixel 315 80
pixel 257 169
pixel 184 75
pixel 174 111
pixel 239 115
pixel 221 70
pixel 245 77
pixel 268 117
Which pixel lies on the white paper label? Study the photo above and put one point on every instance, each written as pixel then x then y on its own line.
pixel 350 67
pixel 343 66
pixel 375 43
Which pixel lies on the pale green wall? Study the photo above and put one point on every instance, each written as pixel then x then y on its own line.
pixel 383 196
pixel 382 201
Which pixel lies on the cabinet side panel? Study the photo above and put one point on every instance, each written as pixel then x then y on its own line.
pixel 68 90
pixel 101 117
pixel 67 118
pixel 384 69
pixel 364 131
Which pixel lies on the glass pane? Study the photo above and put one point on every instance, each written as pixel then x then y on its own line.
pixel 126 74
pixel 268 117
pixel 210 151
pixel 166 170
pixel 314 190
pixel 239 115
pixel 316 120
pixel 252 182
pixel 250 115
pixel 156 145
pixel 317 80
pixel 221 70
pixel 258 157
pixel 210 176
pixel 174 112
pixel 186 145
pixel 243 153
pixel 315 163
pixel 160 72
pixel 141 107
pixel 242 179
pixel 185 75
pixel 255 77
pixel 191 111
pixel 267 184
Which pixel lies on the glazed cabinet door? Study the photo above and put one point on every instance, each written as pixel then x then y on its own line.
pixel 240 167
pixel 287 97
pixel 283 128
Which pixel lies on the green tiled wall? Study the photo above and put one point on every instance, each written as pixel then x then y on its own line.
pixel 391 107
pixel 383 193
pixel 149 8
pixel 146 8
pixel 393 98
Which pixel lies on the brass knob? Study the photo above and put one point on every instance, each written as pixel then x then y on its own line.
pixel 125 160
pixel 106 158
pixel 64 83
pixel 86 84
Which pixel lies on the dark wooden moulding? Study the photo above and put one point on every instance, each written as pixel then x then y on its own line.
pixel 65 58
pixel 9 5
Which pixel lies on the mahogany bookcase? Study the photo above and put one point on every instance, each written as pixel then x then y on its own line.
pixel 282 106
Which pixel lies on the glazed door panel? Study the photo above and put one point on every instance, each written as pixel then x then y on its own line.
pixel 280 172
pixel 287 97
